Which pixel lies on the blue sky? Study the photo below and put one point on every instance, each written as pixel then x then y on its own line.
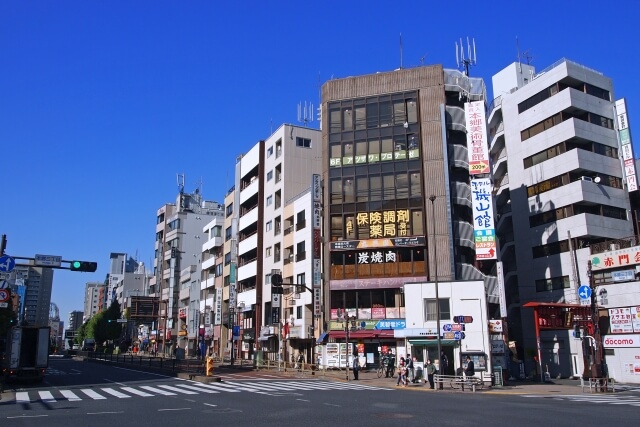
pixel 103 103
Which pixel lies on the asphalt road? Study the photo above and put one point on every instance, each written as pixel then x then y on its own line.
pixel 81 394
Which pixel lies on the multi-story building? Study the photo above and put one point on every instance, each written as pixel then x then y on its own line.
pixel 211 302
pixel 126 278
pixel 559 189
pixel 391 141
pixel 179 238
pixel 74 322
pixel 94 299
pixel 34 285
pixel 272 172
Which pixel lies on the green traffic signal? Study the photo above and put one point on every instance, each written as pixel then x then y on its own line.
pixel 86 266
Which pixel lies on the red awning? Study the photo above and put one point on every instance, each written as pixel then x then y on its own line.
pixel 372 333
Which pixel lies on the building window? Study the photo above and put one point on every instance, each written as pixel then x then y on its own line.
pixel 270 151
pixel 300 221
pixel 299 312
pixel 267 252
pixel 227 259
pixel 430 310
pixel 269 200
pixel 269 226
pixel 301 254
pixel 227 234
pixel 269 175
pixel 229 209
pixel 300 279
pixel 552 284
pixel 303 142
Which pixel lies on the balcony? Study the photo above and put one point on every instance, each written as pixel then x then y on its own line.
pixel 461 193
pixel 463 232
pixel 458 156
pixel 455 118
pixel 300 256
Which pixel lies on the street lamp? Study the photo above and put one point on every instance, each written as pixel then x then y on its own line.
pixel 435 278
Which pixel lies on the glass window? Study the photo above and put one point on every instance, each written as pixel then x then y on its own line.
pixel 336 227
pixel 303 142
pixel 336 191
pixel 375 188
pixel 269 175
pixel 386 116
pixel 412 111
pixel 267 252
pixel 361 117
pixel 269 200
pixel 362 189
pixel 270 151
pixel 334 120
pixel 349 191
pixel 372 116
pixel 269 226
pixel 347 119
pixel 430 311
pixel 414 185
pixel 399 112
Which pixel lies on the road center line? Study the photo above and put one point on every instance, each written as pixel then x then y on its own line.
pixel 174 409
pixel 210 404
pixel 105 412
pixel 303 400
pixel 28 416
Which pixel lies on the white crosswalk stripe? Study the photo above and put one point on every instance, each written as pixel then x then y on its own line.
pixel 274 388
pixel 582 398
pixel 92 394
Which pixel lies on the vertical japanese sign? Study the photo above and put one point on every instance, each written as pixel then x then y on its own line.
pixel 501 293
pixel 477 138
pixel 625 145
pixel 483 226
pixel 218 305
pixel 316 208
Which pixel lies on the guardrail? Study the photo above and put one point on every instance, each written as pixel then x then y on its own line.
pixel 457 382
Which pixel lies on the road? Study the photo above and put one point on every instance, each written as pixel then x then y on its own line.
pixel 81 393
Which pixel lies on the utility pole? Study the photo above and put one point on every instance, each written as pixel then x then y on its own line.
pixel 3 244
pixel 597 353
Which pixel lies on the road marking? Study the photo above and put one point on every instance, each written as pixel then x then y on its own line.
pixel 143 372
pixel 92 394
pixel 136 391
pixel 105 412
pixel 157 390
pixel 115 382
pixel 27 416
pixel 217 388
pixel 204 390
pixel 303 400
pixel 22 397
pixel 46 397
pixel 210 404
pixel 69 395
pixel 115 393
pixel 331 404
pixel 179 390
pixel 174 409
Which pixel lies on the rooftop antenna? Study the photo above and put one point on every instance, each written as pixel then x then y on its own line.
pixel 422 58
pixel 180 179
pixel 400 50
pixel 466 62
pixel 305 113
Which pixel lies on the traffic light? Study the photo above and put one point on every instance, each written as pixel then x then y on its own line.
pixel 276 284
pixel 86 266
pixel 576 331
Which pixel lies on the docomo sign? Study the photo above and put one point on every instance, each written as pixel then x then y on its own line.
pixel 621 341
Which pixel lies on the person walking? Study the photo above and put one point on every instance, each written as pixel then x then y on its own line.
pixel 410 374
pixel 402 373
pixel 356 367
pixel 431 369
pixel 470 369
pixel 391 363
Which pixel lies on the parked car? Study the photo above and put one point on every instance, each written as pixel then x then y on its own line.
pixel 88 344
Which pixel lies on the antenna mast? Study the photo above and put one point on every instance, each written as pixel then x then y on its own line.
pixel 180 179
pixel 400 50
pixel 466 62
pixel 305 113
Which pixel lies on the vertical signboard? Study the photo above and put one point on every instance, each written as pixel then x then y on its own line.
pixel 218 305
pixel 316 206
pixel 483 226
pixel 626 147
pixel 477 138
pixel 501 294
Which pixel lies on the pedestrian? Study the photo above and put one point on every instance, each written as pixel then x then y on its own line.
pixel 444 363
pixel 356 367
pixel 431 369
pixel 402 373
pixel 391 364
pixel 410 375
pixel 470 370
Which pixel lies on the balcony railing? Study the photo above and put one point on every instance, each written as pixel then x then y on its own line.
pixel 301 256
pixel 301 224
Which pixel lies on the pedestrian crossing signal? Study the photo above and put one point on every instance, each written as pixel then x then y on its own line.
pixel 85 266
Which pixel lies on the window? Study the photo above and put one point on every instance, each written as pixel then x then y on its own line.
pixel 269 226
pixel 175 224
pixel 227 234
pixel 303 142
pixel 300 280
pixel 269 200
pixel 267 252
pixel 269 175
pixel 229 209
pixel 299 312
pixel 430 311
pixel 300 251
pixel 300 220
pixel 270 151
pixel 227 258
pixel 552 284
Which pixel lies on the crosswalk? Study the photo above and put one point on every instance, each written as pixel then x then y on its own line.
pixel 178 388
pixel 592 398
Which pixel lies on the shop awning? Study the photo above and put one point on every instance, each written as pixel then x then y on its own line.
pixel 433 342
pixel 323 338
pixel 369 333
pixel 265 337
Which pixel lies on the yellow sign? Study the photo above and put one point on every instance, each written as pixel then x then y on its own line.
pixel 383 224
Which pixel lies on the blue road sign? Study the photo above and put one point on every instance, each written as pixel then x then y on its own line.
pixel 584 292
pixel 363 324
pixel 457 335
pixel 446 327
pixel 7 264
